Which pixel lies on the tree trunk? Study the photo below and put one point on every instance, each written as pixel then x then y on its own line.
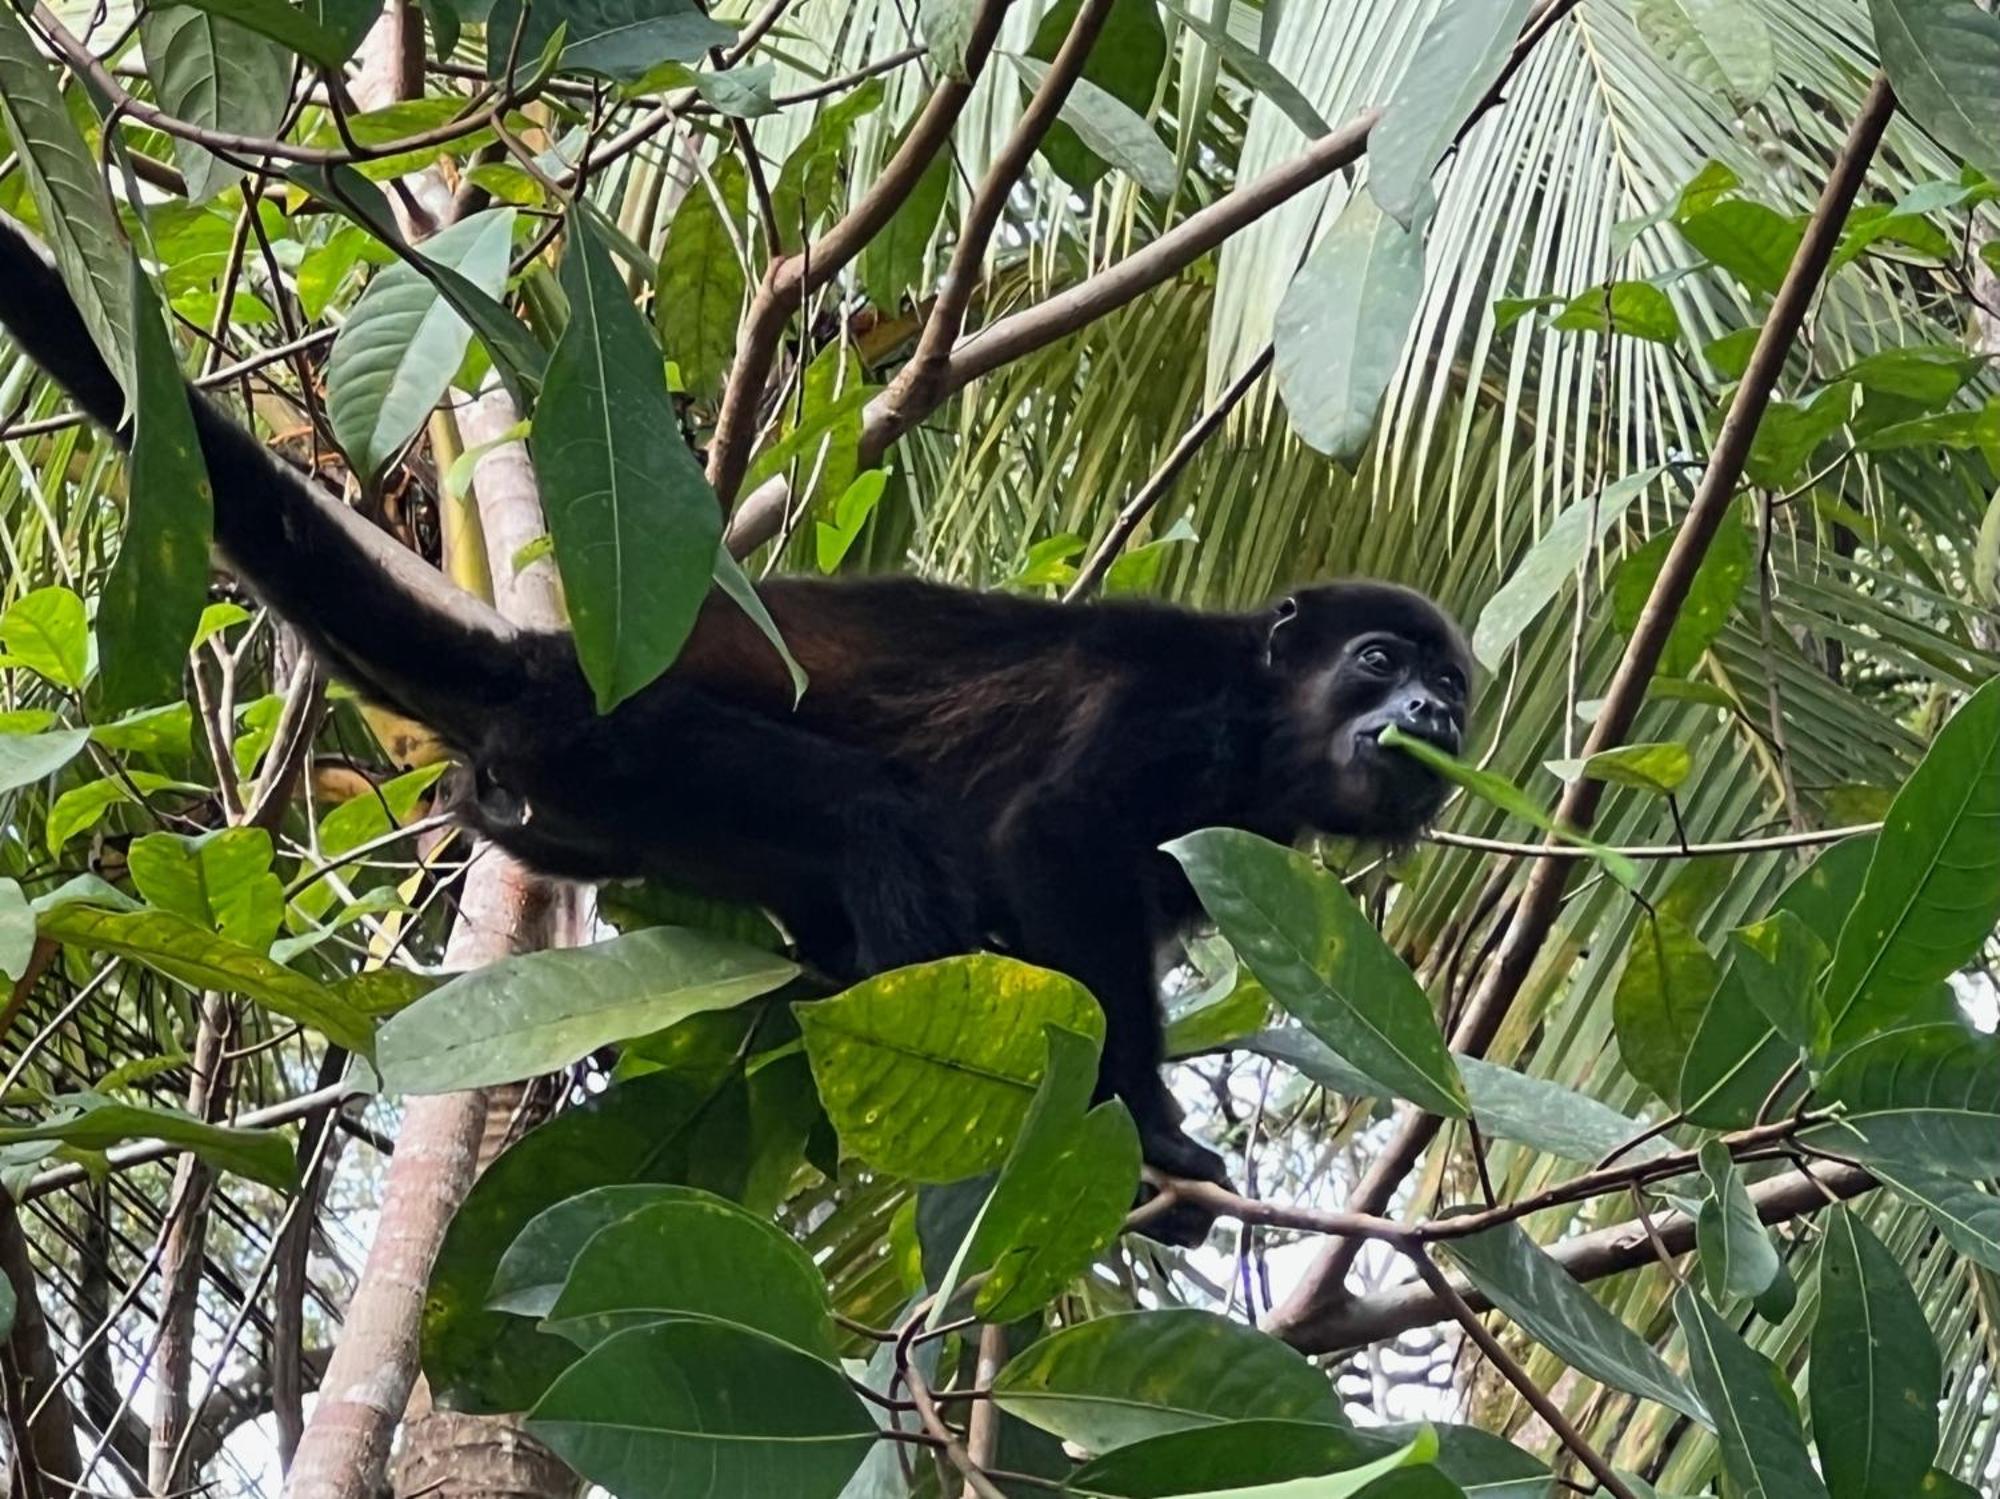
pixel 45 1462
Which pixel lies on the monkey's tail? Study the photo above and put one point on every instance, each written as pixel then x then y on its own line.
pixel 371 609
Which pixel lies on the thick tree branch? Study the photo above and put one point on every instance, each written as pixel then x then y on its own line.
pixel 1587 1257
pixel 790 279
pixel 1324 1284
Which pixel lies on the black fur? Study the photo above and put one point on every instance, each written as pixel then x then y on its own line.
pixel 965 769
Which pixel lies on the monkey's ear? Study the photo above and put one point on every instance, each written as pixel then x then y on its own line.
pixel 1280 614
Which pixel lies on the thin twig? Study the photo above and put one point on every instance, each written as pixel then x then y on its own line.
pixel 1727 848
pixel 1156 487
pixel 1511 1370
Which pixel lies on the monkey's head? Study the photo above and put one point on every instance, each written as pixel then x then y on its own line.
pixel 1351 659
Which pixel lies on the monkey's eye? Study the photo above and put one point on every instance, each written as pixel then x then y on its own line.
pixel 1452 683
pixel 1376 659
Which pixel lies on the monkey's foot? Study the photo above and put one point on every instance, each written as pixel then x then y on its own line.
pixel 1171 1153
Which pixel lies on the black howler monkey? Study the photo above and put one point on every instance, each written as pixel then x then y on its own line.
pixel 965 769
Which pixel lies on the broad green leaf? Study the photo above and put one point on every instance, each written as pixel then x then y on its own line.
pixel 538 1011
pixel 201 959
pixel 395 356
pixel 1535 1291
pixel 1928 1093
pixel 811 174
pixel 1875 1369
pixel 1120 1379
pixel 699 287
pixel 1719 45
pixel 1791 432
pixel 946 27
pixel 892 263
pixel 26 758
pixel 214 72
pixel 1737 1255
pixel 819 438
pixel 1511 1105
pixel 46 632
pixel 80 808
pixel 1550 564
pixel 1495 788
pixel 1307 941
pixel 1967 1217
pixel 221 880
pixel 1110 130
pixel 1780 960
pixel 165 731
pixel 1943 56
pixel 517 358
pixel 742 92
pixel 1660 768
pixel 928 1072
pixel 360 820
pixel 68 191
pixel 695 1409
pixel 617 39
pixel 665 1127
pixel 1103 118
pixel 1927 374
pixel 1752 242
pixel 1661 997
pixel 1711 596
pixel 1270 82
pixel 1754 1414
pixel 1202 1460
pixel 1341 327
pixel 1137 570
pixel 155 592
pixel 1734 1057
pixel 635 523
pixel 833 539
pixel 1483 1465
pixel 1379 1477
pixel 1061 1197
pixel 531 1273
pixel 1932 894
pixel 1636 309
pixel 1508 1105
pixel 1455 62
pixel 734 582
pixel 299 30
pixel 692 1254
pixel 90 1121
pixel 17 931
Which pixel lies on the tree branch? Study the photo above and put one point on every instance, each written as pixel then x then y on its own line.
pixel 1511 1370
pixel 790 279
pixel 890 415
pixel 1535 913
pixel 1587 1257
pixel 928 368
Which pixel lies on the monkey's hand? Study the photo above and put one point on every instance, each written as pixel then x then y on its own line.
pixel 1172 1152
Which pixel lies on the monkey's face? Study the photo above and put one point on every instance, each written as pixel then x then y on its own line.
pixel 1364 657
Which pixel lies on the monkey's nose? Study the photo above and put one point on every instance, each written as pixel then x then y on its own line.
pixel 1431 721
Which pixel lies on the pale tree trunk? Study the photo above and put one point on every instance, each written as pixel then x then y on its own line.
pixel 369 1383
pixel 445 1453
